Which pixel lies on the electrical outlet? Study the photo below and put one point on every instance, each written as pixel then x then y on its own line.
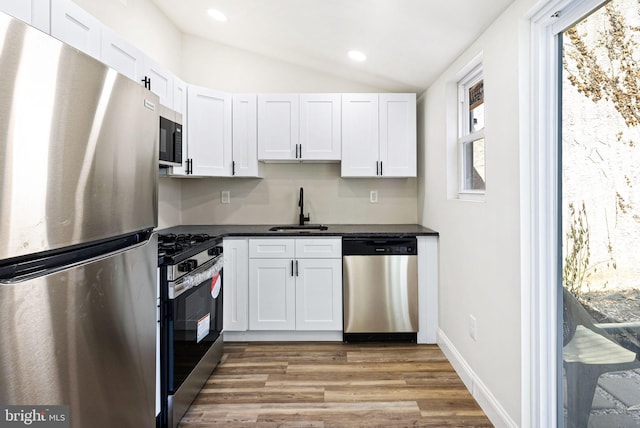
pixel 472 327
pixel 373 196
pixel 225 197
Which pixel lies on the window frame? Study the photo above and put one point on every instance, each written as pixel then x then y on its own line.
pixel 465 136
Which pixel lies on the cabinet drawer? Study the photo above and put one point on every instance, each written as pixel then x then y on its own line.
pixel 319 248
pixel 271 248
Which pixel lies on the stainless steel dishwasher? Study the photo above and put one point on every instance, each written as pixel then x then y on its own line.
pixel 380 289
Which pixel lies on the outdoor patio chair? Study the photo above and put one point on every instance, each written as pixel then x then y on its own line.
pixel 588 351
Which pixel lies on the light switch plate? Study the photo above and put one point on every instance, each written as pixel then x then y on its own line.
pixel 373 196
pixel 225 197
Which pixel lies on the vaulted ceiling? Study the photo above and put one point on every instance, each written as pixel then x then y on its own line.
pixel 407 42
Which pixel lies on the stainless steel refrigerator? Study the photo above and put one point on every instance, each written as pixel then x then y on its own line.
pixel 78 202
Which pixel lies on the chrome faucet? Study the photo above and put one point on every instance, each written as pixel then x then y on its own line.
pixel 303 218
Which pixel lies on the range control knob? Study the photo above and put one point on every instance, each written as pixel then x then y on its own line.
pixel 188 266
pixel 215 251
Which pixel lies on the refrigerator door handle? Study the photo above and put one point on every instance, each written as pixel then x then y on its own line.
pixel 25 268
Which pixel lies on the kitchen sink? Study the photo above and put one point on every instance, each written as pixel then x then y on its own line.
pixel 298 228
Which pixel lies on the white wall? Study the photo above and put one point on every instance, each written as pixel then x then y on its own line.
pixel 479 241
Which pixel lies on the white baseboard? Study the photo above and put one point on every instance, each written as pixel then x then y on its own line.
pixel 493 409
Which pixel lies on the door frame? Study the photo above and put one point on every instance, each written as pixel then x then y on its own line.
pixel 540 209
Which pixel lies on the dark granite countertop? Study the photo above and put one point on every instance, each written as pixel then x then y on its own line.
pixel 348 230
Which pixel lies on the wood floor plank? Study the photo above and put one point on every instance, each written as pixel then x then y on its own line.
pixel 391 394
pixel 371 368
pixel 334 385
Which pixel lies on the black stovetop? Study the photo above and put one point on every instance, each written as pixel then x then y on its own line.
pixel 174 248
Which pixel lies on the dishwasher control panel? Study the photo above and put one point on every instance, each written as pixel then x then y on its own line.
pixel 386 246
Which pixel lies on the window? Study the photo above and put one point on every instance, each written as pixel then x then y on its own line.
pixel 471 133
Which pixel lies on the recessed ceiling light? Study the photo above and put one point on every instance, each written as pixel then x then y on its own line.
pixel 357 56
pixel 217 15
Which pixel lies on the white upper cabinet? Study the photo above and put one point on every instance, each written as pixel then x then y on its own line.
pixel 278 126
pixel 299 127
pixel 33 12
pixel 159 80
pixel 245 136
pixel 209 131
pixel 180 106
pixel 320 126
pixel 180 98
pixel 379 135
pixel 398 135
pixel 360 155
pixel 76 27
pixel 125 58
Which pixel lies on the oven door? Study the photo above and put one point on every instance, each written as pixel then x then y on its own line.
pixel 194 325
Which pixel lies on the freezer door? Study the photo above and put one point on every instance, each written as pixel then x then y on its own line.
pixel 84 337
pixel 78 146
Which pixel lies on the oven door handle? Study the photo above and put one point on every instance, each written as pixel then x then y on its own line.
pixel 195 279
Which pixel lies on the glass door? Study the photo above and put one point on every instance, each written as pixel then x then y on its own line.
pixel 600 219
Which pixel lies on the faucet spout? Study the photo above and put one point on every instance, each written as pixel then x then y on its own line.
pixel 302 217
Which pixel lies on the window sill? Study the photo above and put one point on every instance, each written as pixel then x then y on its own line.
pixel 472 197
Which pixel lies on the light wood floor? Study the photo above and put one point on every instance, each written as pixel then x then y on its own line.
pixel 334 385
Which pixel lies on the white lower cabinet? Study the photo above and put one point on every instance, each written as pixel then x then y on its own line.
pixel 235 284
pixel 295 284
pixel 319 294
pixel 272 294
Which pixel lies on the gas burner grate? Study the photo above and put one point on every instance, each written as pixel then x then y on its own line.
pixel 175 245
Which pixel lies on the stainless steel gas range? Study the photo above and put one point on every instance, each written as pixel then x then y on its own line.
pixel 190 273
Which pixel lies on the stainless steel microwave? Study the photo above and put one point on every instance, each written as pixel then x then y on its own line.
pixel 170 137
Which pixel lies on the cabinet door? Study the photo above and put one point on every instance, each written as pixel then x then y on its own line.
pixel 272 304
pixel 161 81
pixel 33 12
pixel 180 106
pixel 245 136
pixel 320 127
pixel 278 126
pixel 398 143
pixel 76 27
pixel 118 54
pixel 360 135
pixel 180 98
pixel 319 294
pixel 209 128
pixel 236 284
